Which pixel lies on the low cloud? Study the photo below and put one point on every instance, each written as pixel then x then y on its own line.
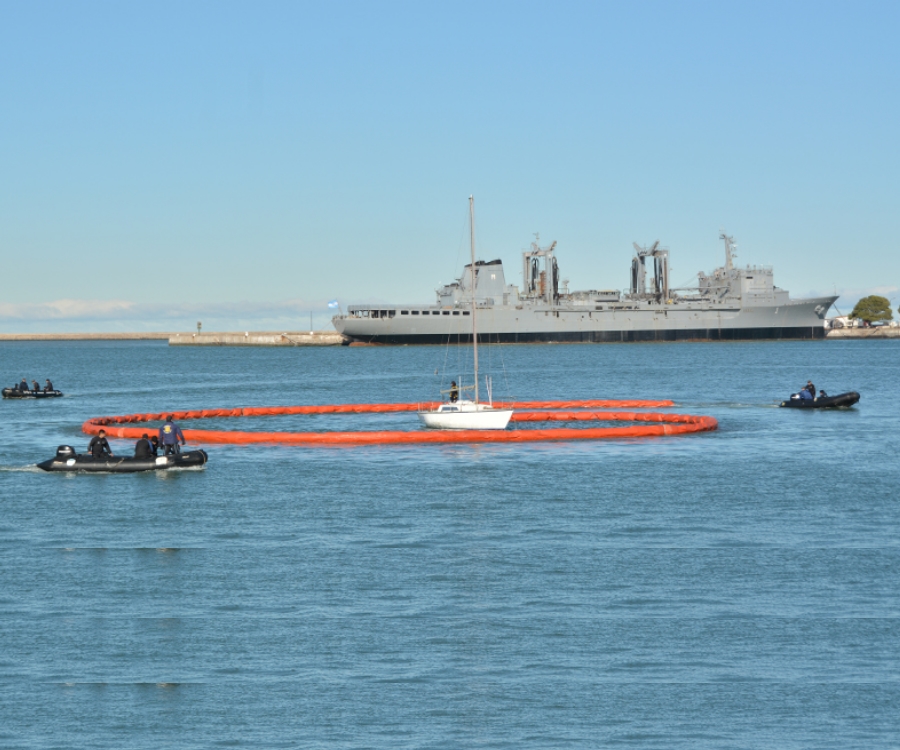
pixel 82 309
pixel 94 316
pixel 66 309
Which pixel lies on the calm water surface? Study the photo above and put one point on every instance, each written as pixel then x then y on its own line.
pixel 737 589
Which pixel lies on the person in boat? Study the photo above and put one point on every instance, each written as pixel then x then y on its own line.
pixel 143 448
pixel 805 395
pixel 822 394
pixel 811 388
pixel 99 446
pixel 169 435
pixel 23 386
pixel 48 386
pixel 454 392
pixel 154 445
pixel 35 387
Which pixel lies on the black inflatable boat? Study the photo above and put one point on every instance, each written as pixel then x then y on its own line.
pixel 823 402
pixel 67 460
pixel 16 393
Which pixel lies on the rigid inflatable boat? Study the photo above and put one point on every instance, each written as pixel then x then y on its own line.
pixel 823 402
pixel 16 393
pixel 67 460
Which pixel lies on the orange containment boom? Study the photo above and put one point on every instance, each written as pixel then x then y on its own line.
pixel 655 424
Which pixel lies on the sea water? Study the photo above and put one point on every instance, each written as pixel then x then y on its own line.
pixel 734 589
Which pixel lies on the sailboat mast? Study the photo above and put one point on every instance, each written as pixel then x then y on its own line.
pixel 474 326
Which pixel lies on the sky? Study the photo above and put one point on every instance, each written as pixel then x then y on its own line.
pixel 244 163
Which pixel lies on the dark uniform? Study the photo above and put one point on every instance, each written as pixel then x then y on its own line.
pixel 454 392
pixel 143 449
pixel 99 447
pixel 48 387
pixel 811 388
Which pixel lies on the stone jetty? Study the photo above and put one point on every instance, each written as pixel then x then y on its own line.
pixel 258 338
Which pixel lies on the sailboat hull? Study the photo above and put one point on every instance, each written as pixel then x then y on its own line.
pixel 480 418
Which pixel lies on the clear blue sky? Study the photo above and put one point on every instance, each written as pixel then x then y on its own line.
pixel 242 162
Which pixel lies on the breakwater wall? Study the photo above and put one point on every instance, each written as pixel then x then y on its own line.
pixel 881 332
pixel 258 338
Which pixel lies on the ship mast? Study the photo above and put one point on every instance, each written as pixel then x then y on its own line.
pixel 730 248
pixel 474 326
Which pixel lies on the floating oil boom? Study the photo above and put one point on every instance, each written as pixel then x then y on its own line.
pixel 649 424
pixel 728 304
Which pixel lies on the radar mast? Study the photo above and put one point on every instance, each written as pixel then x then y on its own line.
pixel 730 250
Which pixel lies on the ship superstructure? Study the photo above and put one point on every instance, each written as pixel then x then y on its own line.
pixel 730 303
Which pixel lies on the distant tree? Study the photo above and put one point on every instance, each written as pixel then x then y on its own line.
pixel 872 308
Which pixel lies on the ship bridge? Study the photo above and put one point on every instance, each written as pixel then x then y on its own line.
pixel 490 287
pixel 753 285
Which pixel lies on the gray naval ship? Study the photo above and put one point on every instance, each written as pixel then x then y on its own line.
pixel 729 304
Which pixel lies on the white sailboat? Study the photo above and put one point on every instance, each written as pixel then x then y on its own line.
pixel 459 413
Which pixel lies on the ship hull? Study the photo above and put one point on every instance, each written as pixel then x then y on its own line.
pixel 596 337
pixel 468 417
pixel 800 319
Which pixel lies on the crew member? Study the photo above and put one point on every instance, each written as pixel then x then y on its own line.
pixel 454 392
pixel 822 394
pixel 142 448
pixel 99 446
pixel 811 388
pixel 23 386
pixel 169 435
pixel 35 387
pixel 48 387
pixel 805 395
pixel 154 445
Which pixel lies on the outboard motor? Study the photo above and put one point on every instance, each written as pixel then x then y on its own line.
pixel 65 451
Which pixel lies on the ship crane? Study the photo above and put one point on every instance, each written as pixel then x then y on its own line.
pixel 660 257
pixel 541 283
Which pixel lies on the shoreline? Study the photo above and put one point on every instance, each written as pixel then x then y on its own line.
pixel 316 338
pixel 152 336
pixel 228 338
